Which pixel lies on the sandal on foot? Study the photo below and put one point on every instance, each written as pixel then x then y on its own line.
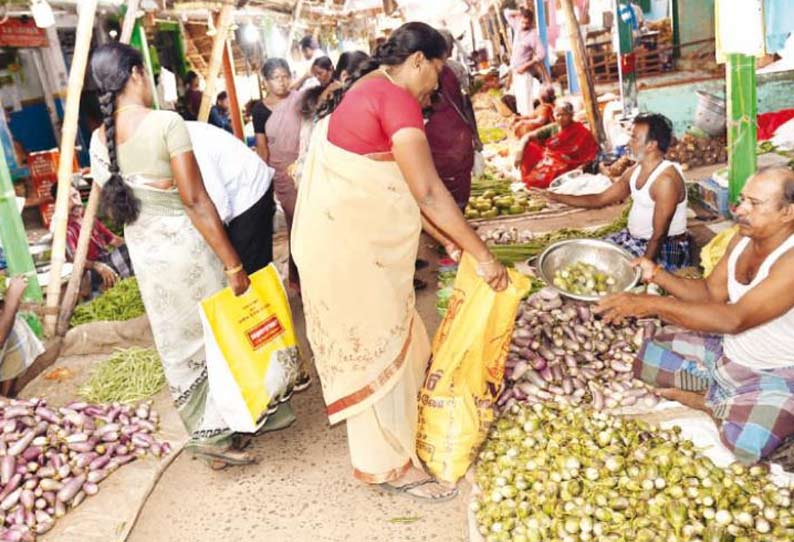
pixel 406 489
pixel 303 382
pixel 220 459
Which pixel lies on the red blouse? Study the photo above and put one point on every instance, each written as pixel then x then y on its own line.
pixel 370 114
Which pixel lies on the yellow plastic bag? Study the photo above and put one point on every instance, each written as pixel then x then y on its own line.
pixel 456 404
pixel 712 253
pixel 251 350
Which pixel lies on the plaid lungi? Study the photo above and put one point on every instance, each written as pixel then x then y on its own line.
pixel 19 351
pixel 673 254
pixel 755 406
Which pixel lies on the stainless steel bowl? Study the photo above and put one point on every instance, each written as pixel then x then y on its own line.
pixel 606 256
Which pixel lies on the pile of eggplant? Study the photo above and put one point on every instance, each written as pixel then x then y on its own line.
pixel 52 459
pixel 560 352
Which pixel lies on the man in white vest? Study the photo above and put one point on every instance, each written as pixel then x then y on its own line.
pixel 736 359
pixel 657 227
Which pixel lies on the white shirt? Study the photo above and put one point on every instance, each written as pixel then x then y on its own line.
pixel 306 66
pixel 770 345
pixel 642 207
pixel 234 175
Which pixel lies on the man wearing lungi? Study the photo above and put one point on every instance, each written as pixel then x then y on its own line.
pixel 736 359
pixel 526 62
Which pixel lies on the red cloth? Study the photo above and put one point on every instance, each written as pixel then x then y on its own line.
pixel 370 114
pixel 451 139
pixel 768 123
pixel 101 238
pixel 573 147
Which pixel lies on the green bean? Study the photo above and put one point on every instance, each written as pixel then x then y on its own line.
pixel 122 302
pixel 128 376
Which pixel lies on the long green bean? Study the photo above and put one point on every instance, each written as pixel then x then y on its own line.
pixel 122 302
pixel 127 376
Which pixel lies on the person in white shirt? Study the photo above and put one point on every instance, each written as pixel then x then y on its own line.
pixel 311 51
pixel 240 185
pixel 736 358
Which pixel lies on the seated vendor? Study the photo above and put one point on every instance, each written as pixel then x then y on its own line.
pixel 736 358
pixel 19 346
pixel 571 147
pixel 107 258
pixel 542 115
pixel 657 227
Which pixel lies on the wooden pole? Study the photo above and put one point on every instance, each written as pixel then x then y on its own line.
pixel 216 59
pixel 46 87
pixel 582 71
pixel 90 212
pixel 85 26
pixel 296 15
pixel 231 90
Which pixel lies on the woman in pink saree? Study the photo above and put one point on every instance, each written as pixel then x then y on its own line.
pixel 572 147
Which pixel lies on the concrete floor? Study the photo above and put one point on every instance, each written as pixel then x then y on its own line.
pixel 302 490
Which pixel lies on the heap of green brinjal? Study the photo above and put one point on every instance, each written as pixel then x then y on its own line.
pixel 568 474
pixel 560 352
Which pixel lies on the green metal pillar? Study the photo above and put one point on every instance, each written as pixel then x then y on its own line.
pixel 12 232
pixel 742 128
pixel 627 58
pixel 139 42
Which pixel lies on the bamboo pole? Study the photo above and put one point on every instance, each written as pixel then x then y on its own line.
pixel 85 26
pixel 296 15
pixel 582 71
pixel 216 58
pixel 231 90
pixel 90 212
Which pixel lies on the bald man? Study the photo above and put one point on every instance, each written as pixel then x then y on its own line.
pixel 736 359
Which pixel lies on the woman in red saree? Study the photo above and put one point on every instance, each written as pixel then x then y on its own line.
pixel 572 147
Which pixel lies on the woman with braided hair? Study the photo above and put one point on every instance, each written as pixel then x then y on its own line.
pixel 151 184
pixel 368 187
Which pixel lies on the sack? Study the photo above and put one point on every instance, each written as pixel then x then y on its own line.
pixel 251 350
pixel 456 403
pixel 479 164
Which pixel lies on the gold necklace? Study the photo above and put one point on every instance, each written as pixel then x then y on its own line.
pixel 387 75
pixel 126 108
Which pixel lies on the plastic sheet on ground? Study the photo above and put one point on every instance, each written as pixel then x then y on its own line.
pixel 110 515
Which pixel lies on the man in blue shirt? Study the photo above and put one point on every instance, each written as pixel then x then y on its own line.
pixel 219 114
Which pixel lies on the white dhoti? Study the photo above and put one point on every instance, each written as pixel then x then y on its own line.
pixel 524 89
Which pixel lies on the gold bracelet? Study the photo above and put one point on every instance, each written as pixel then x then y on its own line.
pixel 233 271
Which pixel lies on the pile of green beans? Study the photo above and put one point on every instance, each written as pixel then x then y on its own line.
pixel 122 302
pixel 128 376
pixel 569 474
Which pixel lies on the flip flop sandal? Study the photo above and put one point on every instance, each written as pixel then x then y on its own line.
pixel 406 490
pixel 241 442
pixel 219 460
pixel 304 381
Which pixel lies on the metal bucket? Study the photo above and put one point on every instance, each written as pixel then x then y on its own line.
pixel 710 114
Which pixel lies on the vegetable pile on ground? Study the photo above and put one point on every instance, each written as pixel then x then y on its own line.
pixel 564 474
pixel 122 302
pixel 52 459
pixel 491 135
pixel 560 352
pixel 127 376
pixel 493 203
pixel 692 151
pixel 508 251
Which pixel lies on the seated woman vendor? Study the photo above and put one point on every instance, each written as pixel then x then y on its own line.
pixel 736 359
pixel 542 115
pixel 657 226
pixel 108 259
pixel 571 147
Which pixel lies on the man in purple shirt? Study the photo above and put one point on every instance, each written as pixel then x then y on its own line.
pixel 526 62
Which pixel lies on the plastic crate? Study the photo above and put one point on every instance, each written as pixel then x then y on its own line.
pixel 714 196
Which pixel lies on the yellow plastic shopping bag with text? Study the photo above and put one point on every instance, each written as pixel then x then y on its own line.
pixel 251 350
pixel 456 403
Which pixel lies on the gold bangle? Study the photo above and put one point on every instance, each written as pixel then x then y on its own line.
pixel 233 271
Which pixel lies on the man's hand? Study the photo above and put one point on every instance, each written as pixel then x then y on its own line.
pixel 108 275
pixel 648 268
pixel 15 289
pixel 239 283
pixel 614 309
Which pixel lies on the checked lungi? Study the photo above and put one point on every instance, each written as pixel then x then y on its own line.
pixel 674 253
pixel 755 406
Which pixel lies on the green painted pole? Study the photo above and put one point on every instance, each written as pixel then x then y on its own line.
pixel 742 128
pixel 12 232
pixel 139 42
pixel 627 58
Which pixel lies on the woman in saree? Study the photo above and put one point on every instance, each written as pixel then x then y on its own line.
pixel 368 187
pixel 151 184
pixel 573 146
pixel 277 124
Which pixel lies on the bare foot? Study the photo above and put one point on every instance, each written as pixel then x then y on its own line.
pixel 687 398
pixel 418 483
